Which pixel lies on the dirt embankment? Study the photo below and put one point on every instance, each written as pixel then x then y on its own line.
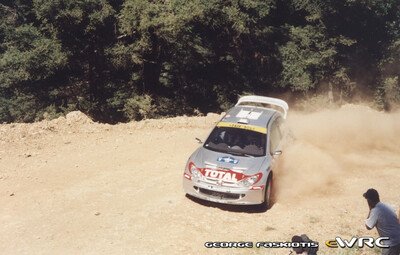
pixel 71 186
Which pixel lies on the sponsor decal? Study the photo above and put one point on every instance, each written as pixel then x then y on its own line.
pixel 221 175
pixel 228 160
pixel 258 129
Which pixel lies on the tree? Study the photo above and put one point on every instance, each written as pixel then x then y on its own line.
pixel 133 59
pixel 205 52
pixel 86 29
pixel 28 60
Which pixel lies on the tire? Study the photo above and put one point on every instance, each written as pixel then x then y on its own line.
pixel 267 196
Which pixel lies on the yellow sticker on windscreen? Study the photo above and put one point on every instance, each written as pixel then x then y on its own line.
pixel 243 126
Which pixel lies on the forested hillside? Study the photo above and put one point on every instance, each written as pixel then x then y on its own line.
pixel 133 59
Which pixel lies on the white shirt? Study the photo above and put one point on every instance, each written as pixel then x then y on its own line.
pixel 384 218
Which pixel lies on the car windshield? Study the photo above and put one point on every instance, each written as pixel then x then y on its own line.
pixel 236 141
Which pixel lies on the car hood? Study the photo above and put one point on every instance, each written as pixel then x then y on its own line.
pixel 205 158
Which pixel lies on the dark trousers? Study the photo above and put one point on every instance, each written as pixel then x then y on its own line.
pixel 394 250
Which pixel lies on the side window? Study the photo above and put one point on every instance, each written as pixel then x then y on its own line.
pixel 275 135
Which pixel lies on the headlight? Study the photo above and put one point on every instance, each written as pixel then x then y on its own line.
pixel 195 172
pixel 250 180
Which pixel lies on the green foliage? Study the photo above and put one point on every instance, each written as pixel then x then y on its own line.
pixel 5 115
pixel 86 29
pixel 391 92
pixel 184 57
pixel 52 112
pixel 144 106
pixel 139 107
pixel 23 108
pixel 388 93
pixel 29 57
pixel 171 107
pixel 307 58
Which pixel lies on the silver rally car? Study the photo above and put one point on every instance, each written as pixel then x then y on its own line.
pixel 235 164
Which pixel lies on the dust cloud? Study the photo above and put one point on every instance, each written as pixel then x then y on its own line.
pixel 324 146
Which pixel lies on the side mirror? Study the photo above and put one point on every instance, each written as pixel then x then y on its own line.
pixel 199 140
pixel 277 153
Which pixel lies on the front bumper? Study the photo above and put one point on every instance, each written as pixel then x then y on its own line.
pixel 221 194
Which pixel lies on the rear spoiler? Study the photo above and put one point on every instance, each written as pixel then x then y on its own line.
pixel 282 105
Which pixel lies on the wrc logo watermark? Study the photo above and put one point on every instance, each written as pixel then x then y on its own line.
pixel 359 242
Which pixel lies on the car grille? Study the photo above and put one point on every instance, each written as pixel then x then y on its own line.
pixel 221 195
pixel 215 182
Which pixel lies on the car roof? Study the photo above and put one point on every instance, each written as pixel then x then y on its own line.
pixel 251 115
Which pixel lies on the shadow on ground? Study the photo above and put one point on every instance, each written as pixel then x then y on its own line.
pixel 231 208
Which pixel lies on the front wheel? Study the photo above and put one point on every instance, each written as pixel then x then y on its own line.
pixel 267 196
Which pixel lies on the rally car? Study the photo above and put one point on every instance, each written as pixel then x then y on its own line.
pixel 235 164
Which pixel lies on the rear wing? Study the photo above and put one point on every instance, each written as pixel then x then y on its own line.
pixel 282 105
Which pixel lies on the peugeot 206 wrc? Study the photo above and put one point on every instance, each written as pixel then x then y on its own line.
pixel 235 164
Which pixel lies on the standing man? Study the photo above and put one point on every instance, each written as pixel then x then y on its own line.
pixel 384 218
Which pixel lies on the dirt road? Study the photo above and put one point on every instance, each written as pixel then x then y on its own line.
pixel 70 186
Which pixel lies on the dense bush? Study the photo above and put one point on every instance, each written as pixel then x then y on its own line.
pixel 139 107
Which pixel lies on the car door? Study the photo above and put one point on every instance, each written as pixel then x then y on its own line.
pixel 275 142
pixel 275 138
